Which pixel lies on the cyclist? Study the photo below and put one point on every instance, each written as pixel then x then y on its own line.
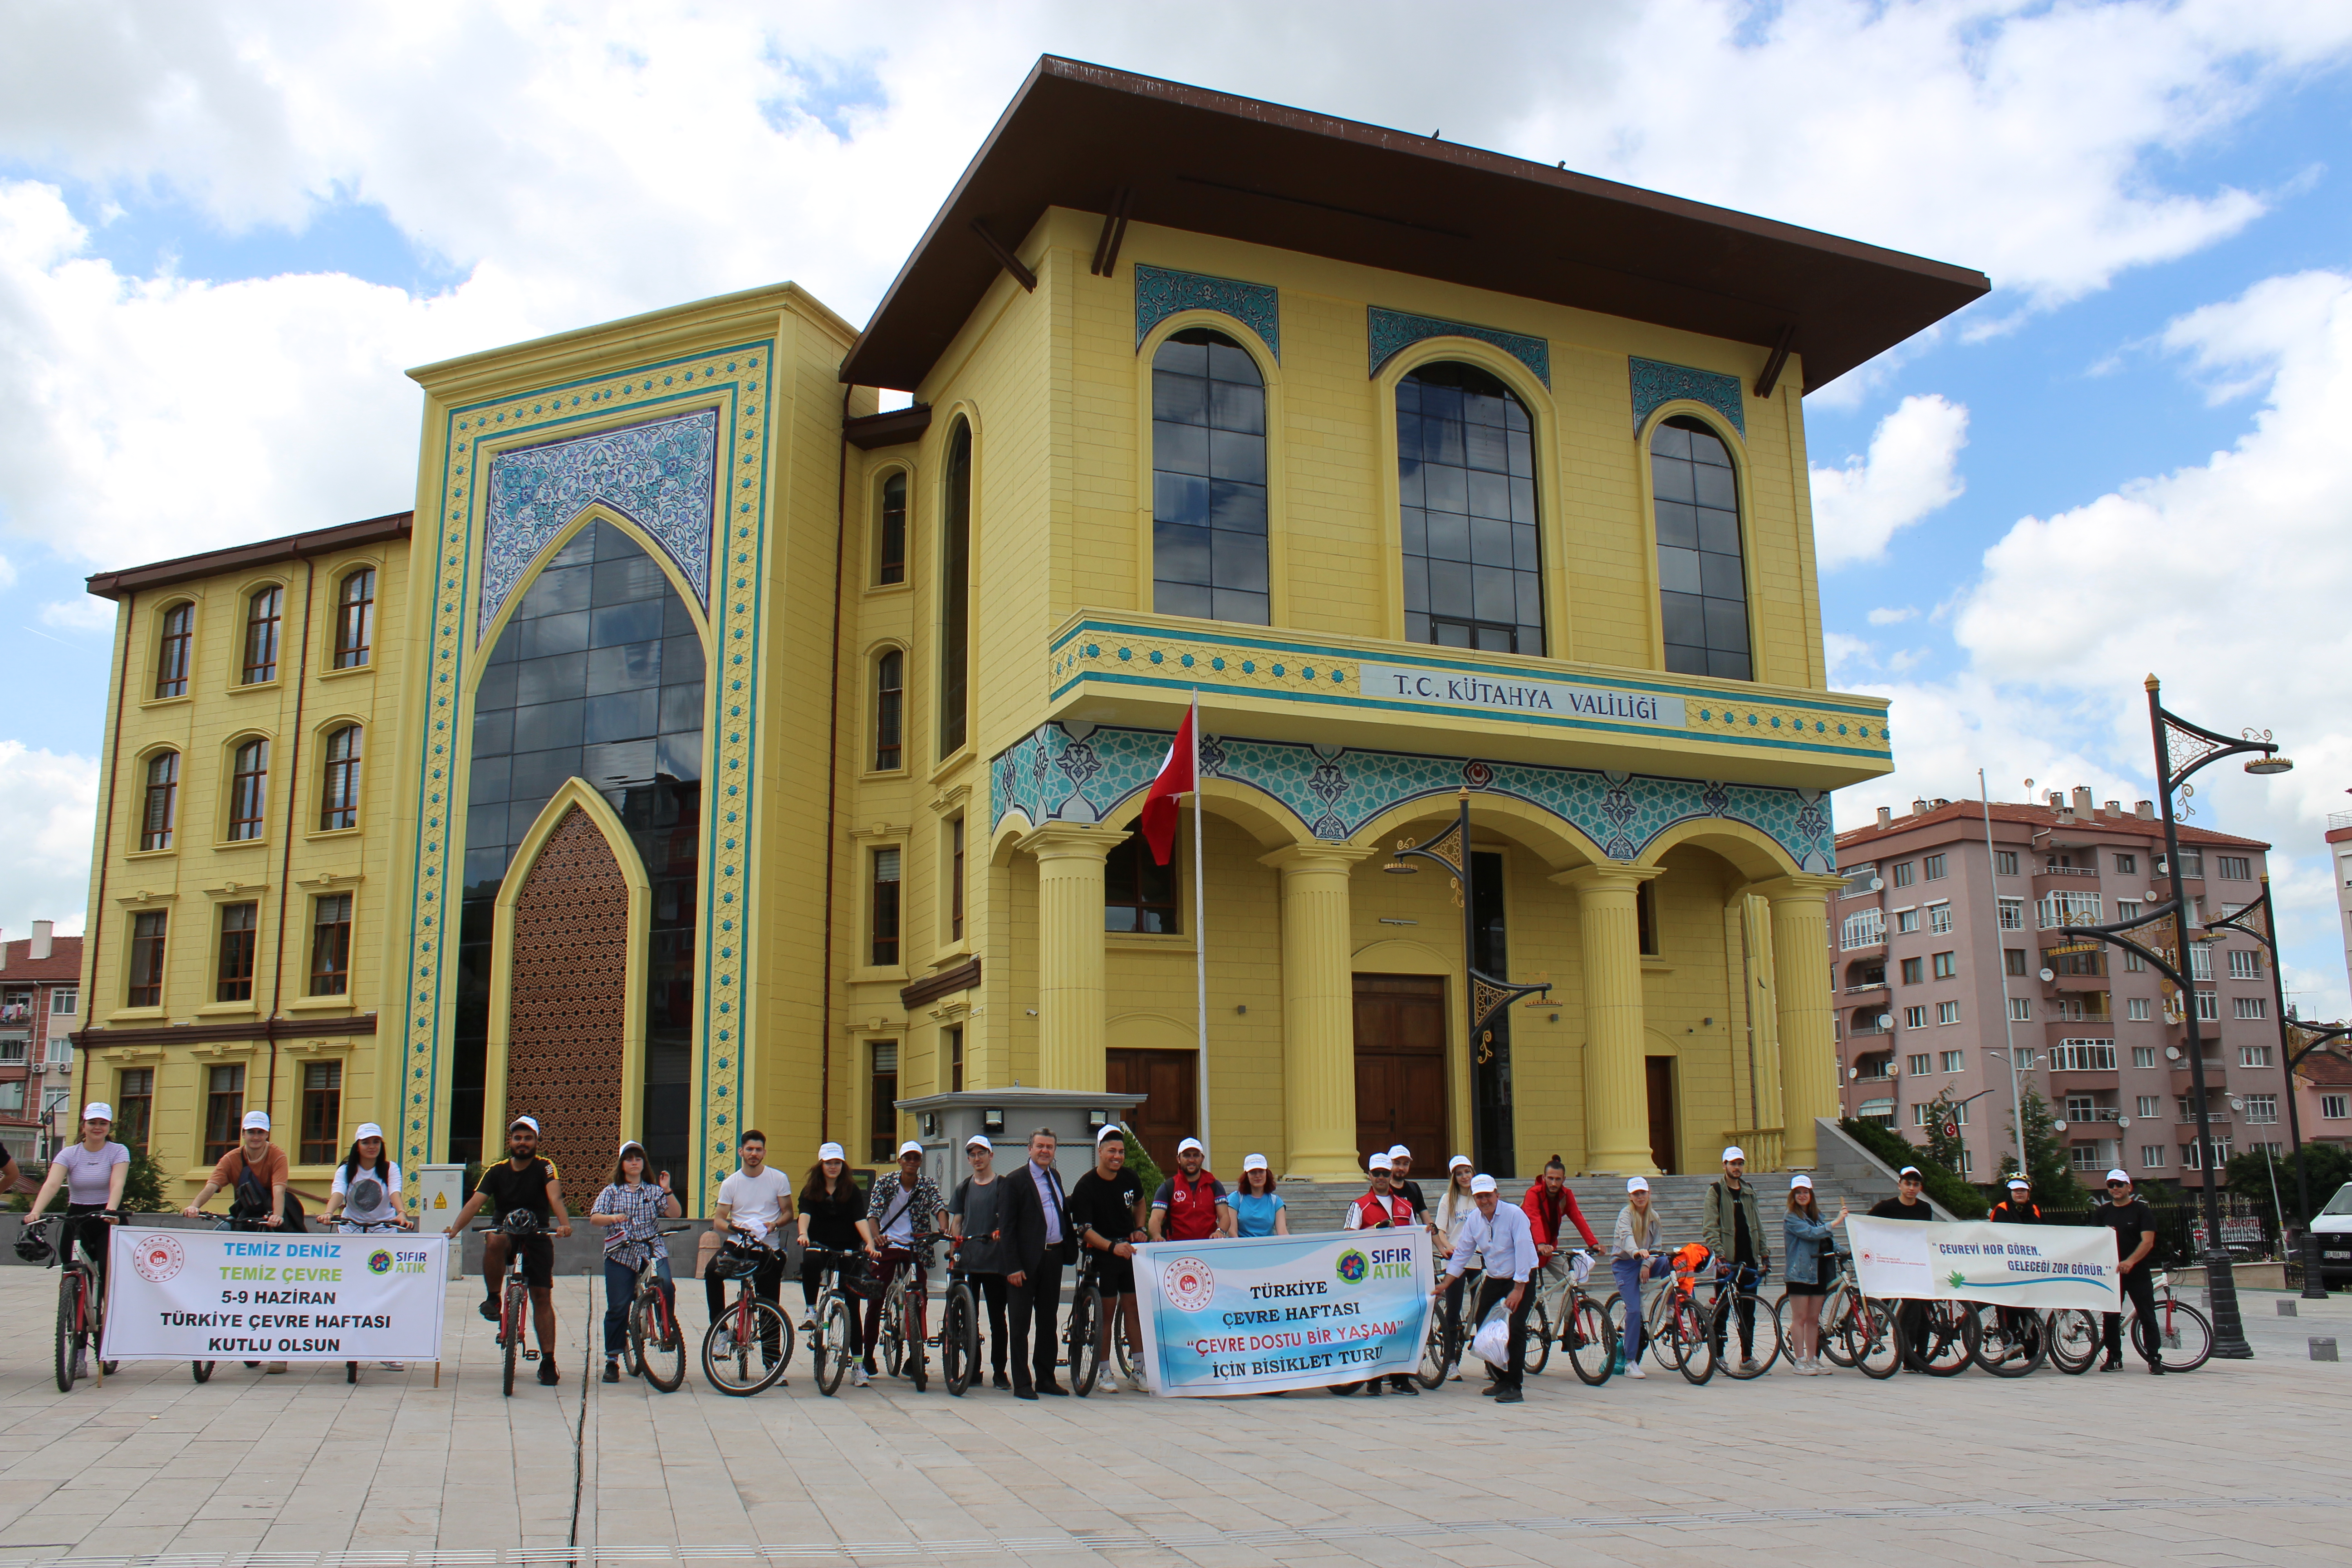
pixel 523 1180
pixel 1548 1201
pixel 2133 1224
pixel 1500 1236
pixel 1734 1233
pixel 978 1230
pixel 366 1192
pixel 1813 1267
pixel 2019 1208
pixel 1381 1208
pixel 1453 1209
pixel 631 1210
pixel 757 1198
pixel 1106 1209
pixel 92 1171
pixel 832 1215
pixel 1910 1316
pixel 1257 1207
pixel 1400 1178
pixel 1633 1259
pixel 1189 1205
pixel 255 1171
pixel 900 1209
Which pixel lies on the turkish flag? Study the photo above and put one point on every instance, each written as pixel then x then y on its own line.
pixel 1176 777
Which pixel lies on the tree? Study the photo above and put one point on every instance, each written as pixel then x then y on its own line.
pixel 1944 1144
pixel 2329 1166
pixel 2047 1166
pixel 143 1190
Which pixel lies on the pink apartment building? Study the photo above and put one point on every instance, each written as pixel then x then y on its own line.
pixel 1940 950
pixel 40 1005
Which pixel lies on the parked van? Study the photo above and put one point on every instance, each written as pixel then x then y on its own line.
pixel 2333 1225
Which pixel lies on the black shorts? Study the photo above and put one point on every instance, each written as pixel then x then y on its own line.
pixel 1114 1275
pixel 1799 1288
pixel 538 1253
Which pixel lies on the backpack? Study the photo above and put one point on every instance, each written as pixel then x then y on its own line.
pixel 252 1198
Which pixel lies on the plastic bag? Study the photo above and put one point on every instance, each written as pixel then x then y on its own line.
pixel 1492 1343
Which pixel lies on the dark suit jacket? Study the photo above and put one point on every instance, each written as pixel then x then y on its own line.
pixel 1023 1223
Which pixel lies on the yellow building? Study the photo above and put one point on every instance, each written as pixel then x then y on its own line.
pixel 759 757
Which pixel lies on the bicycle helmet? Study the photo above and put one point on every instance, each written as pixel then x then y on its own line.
pixel 734 1260
pixel 518 1222
pixel 33 1243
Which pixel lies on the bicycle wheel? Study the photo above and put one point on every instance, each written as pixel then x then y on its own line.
pixel 657 1347
pixel 2009 1342
pixel 1946 1331
pixel 1591 1346
pixel 733 1358
pixel 956 1357
pixel 2073 1338
pixel 1756 1357
pixel 1123 1355
pixel 201 1370
pixel 1836 1313
pixel 68 1328
pixel 917 1366
pixel 2184 1336
pixel 1539 1339
pixel 835 1334
pixel 1434 1352
pixel 1689 1325
pixel 510 1329
pixel 1086 1312
pixel 890 1341
pixel 1872 1341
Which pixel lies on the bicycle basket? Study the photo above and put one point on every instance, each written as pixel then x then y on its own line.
pixel 858 1279
pixel 32 1246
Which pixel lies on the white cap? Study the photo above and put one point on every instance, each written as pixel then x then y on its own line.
pixel 1109 1130
pixel 2119 1177
pixel 909 1147
pixel 1482 1183
pixel 1459 1160
pixel 260 1119
pixel 529 1122
pixel 1191 1145
pixel 1733 1152
pixel 1398 1150
pixel 97 1110
pixel 1636 1185
pixel 1254 1163
pixel 627 1144
pixel 1381 1163
pixel 2017 1182
pixel 979 1141
pixel 1801 1180
pixel 830 1151
pixel 1909 1170
pixel 368 1130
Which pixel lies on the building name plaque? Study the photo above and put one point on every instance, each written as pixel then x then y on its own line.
pixel 1479 692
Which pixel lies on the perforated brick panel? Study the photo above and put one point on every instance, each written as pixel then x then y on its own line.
pixel 566 1015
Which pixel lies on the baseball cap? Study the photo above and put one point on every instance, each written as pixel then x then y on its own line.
pixel 627 1144
pixel 97 1110
pixel 1482 1183
pixel 1109 1130
pixel 367 1130
pixel 830 1151
pixel 259 1120
pixel 1733 1152
pixel 1801 1180
pixel 1398 1150
pixel 979 1141
pixel 2119 1177
pixel 1381 1163
pixel 2017 1182
pixel 1254 1163
pixel 1191 1145
pixel 529 1122
pixel 1636 1185
pixel 1912 1171
pixel 909 1147
pixel 1457 1162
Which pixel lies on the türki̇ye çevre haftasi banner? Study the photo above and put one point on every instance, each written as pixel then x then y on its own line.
pixel 1255 1315
pixel 2047 1267
pixel 205 1295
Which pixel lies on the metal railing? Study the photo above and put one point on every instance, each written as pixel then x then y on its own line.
pixel 2064 871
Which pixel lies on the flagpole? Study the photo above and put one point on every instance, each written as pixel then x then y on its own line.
pixel 1200 930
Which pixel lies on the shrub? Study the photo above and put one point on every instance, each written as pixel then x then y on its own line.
pixel 1963 1201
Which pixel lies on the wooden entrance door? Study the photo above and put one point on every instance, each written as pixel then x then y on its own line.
pixel 1401 1079
pixel 1662 1111
pixel 1171 1113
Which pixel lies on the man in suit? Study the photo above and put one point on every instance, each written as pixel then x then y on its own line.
pixel 1039 1240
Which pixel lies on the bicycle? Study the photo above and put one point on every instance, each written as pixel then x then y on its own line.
pixel 1741 1285
pixel 1584 1331
pixel 81 1306
pixel 2010 1342
pixel 2184 1335
pixel 1081 1336
pixel 358 1227
pixel 832 1334
pixel 1946 1340
pixel 747 1320
pixel 656 1344
pixel 1855 1331
pixel 958 1328
pixel 514 1297
pixel 1675 1326
pixel 235 1219
pixel 899 1337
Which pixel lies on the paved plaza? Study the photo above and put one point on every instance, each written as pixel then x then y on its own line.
pixel 2241 1462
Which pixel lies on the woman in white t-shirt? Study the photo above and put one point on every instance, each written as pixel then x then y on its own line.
pixel 1447 1218
pixel 92 1171
pixel 366 1192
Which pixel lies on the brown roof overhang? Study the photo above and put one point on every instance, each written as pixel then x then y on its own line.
pixel 238 557
pixel 1210 163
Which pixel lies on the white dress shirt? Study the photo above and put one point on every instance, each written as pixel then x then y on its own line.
pixel 1507 1241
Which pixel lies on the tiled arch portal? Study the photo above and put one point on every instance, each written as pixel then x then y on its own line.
pixel 599 676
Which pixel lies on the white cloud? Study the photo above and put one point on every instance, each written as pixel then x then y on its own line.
pixel 1912 469
pixel 7 574
pixel 1888 615
pixel 83 614
pixel 49 802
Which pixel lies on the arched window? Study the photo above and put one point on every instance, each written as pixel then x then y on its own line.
pixel 248 790
pixel 263 613
pixel 1208 480
pixel 889 710
pixel 162 804
pixel 1467 488
pixel 890 547
pixel 172 650
pixel 355 620
pixel 1702 583
pixel 955 593
pixel 339 803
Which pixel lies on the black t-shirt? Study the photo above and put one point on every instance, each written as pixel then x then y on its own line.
pixel 1106 1206
pixel 2129 1221
pixel 832 1222
pixel 510 1189
pixel 1895 1209
pixel 1411 1193
pixel 2014 1213
pixel 1743 1245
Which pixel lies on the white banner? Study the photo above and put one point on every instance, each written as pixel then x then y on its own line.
pixel 232 1295
pixel 2042 1266
pixel 1261 1313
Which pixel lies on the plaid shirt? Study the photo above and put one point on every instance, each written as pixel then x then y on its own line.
pixel 923 1205
pixel 632 1240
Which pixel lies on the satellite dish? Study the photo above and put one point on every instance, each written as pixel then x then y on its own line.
pixel 2057 1127
pixel 1886 1020
pixel 2122 1121
pixel 2237 1104
pixel 1877 885
pixel 2048 974
pixel 1852 1073
pixel 2149 895
pixel 2172 1052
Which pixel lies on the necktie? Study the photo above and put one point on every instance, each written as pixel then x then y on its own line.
pixel 1061 1211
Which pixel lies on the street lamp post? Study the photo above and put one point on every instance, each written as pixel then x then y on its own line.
pixel 1484 996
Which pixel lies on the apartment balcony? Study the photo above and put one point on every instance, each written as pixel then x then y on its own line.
pixel 2072 878
pixel 2061 981
pixel 2092 1080
pixel 2183 1082
pixel 1863 1031
pixel 1872 995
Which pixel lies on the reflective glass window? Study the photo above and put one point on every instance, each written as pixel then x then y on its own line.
pixel 1466 494
pixel 1208 480
pixel 1702 580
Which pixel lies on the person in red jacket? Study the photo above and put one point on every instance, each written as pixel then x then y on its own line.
pixel 1191 1205
pixel 1381 1208
pixel 1548 1201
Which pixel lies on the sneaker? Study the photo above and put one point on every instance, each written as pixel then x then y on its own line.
pixel 81 1363
pixel 857 1378
pixel 274 1366
pixel 2156 1367
pixel 1633 1369
pixel 395 1365
pixel 611 1370
pixel 547 1373
pixel 2113 1363
pixel 1510 1396
pixel 1747 1364
pixel 1106 1382
pixel 1001 1381
pixel 489 1311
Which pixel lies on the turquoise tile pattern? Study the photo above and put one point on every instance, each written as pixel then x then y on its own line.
pixel 1160 292
pixel 1391 332
pixel 1657 381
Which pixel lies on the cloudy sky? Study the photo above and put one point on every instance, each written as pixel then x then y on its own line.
pixel 226 228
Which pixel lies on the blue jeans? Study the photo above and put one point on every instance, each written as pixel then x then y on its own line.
pixel 620 1290
pixel 1629 1275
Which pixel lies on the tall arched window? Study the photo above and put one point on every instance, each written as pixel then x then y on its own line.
pixel 355 618
pixel 248 790
pixel 263 613
pixel 889 710
pixel 172 650
pixel 339 795
pixel 1702 583
pixel 162 803
pixel 955 593
pixel 1208 480
pixel 890 546
pixel 1466 487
